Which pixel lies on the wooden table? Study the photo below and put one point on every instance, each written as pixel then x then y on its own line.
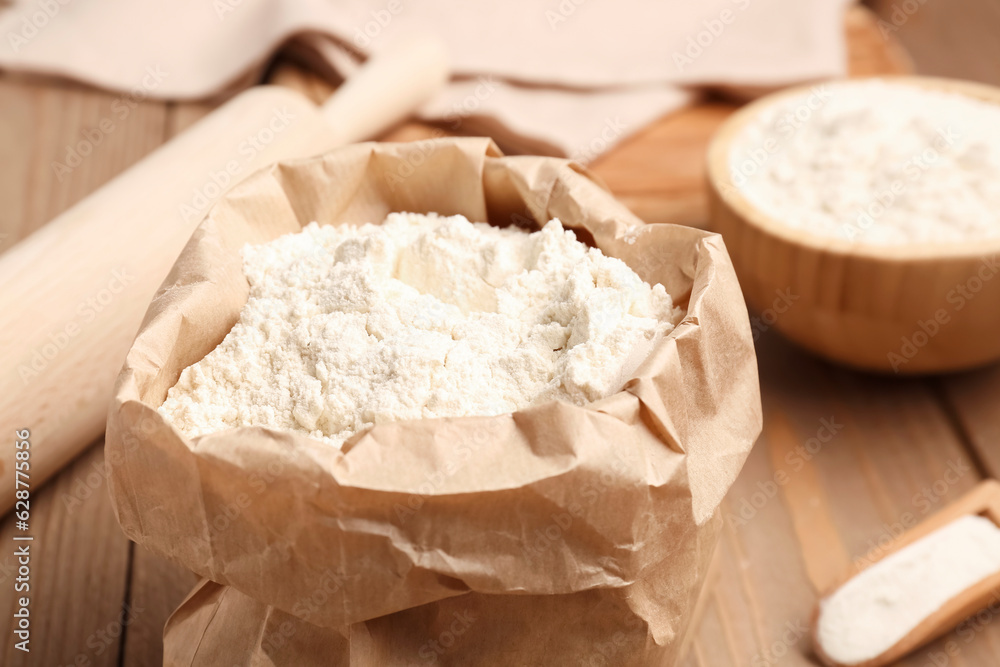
pixel 844 460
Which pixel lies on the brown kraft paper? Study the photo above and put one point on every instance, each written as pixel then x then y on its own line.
pixel 559 534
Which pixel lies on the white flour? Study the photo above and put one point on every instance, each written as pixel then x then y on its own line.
pixel 875 163
pixel 874 610
pixel 422 316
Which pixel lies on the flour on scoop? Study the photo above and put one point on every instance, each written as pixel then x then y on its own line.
pixel 872 612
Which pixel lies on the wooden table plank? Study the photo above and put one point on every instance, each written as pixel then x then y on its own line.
pixel 157 587
pixel 797 517
pixel 80 567
pixel 955 38
pixel 974 400
pixel 62 141
pixel 17 110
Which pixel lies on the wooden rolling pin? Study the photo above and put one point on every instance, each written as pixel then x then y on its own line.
pixel 76 290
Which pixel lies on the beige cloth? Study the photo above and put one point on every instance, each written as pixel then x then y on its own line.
pixel 561 72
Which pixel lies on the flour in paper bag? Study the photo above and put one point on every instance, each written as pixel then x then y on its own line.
pixel 422 316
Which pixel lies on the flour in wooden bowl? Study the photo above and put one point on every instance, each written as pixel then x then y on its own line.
pixel 875 162
pixel 422 316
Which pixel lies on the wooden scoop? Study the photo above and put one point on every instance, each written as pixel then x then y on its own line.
pixel 75 291
pixel 984 500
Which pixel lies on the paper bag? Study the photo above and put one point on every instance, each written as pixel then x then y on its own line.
pixel 562 531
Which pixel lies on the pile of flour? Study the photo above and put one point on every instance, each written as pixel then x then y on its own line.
pixel 872 612
pixel 421 316
pixel 875 162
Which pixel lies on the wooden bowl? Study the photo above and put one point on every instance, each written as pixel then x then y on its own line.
pixel 919 308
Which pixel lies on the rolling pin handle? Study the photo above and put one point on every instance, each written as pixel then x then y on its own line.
pixel 388 88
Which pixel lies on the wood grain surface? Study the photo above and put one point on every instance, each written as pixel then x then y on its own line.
pixel 845 459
